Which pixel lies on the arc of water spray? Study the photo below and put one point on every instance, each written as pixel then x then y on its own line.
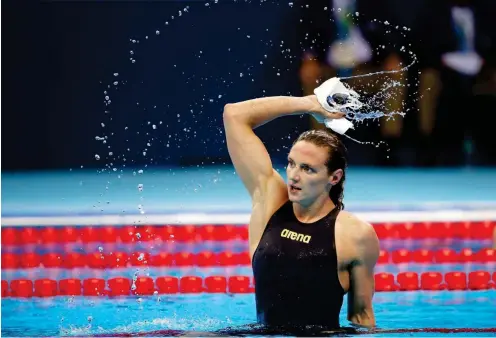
pixel 378 73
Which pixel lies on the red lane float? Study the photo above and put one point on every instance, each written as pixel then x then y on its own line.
pixel 240 284
pixel 69 234
pixel 161 259
pixel 408 281
pixel 432 281
pixel 70 287
pixel 475 230
pixel 119 286
pixel 456 280
pixel 423 256
pixel 143 286
pixel 190 284
pixel 28 235
pixel 385 282
pixel 97 260
pixel 94 287
pixel 445 256
pixel 139 259
pixel 10 261
pixel 216 284
pixel 21 288
pixel 9 236
pixel 167 285
pixel 401 256
pixel 117 260
pixel 5 288
pixel 146 286
pixel 45 288
pixel 73 260
pixel 479 280
pixel 51 260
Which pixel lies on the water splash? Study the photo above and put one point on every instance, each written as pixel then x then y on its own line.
pixel 372 108
pixel 365 110
pixel 394 71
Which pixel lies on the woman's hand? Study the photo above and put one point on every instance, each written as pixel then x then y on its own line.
pixel 319 113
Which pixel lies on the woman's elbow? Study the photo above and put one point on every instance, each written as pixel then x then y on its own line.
pixel 229 110
pixel 233 113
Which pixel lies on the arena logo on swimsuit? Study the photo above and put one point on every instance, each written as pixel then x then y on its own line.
pixel 294 236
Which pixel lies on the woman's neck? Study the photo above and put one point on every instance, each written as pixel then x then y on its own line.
pixel 314 211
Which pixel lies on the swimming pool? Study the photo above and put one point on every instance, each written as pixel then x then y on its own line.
pixel 167 280
pixel 162 315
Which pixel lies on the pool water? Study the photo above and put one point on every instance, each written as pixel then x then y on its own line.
pixel 165 315
pixel 419 313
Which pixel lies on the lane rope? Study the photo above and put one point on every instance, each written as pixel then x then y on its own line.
pixel 147 286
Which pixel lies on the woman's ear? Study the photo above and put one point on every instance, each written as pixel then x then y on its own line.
pixel 336 177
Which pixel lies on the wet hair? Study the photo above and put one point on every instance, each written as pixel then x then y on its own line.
pixel 336 159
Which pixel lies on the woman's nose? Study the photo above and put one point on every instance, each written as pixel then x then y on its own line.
pixel 293 174
pixel 294 178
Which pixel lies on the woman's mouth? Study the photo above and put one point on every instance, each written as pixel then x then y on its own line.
pixel 293 188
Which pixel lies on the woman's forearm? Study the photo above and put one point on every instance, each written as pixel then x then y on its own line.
pixel 259 111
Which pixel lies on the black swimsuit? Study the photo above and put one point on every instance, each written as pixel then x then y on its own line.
pixel 295 272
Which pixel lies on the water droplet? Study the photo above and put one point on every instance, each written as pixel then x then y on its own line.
pixel 157 32
pixel 97 157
